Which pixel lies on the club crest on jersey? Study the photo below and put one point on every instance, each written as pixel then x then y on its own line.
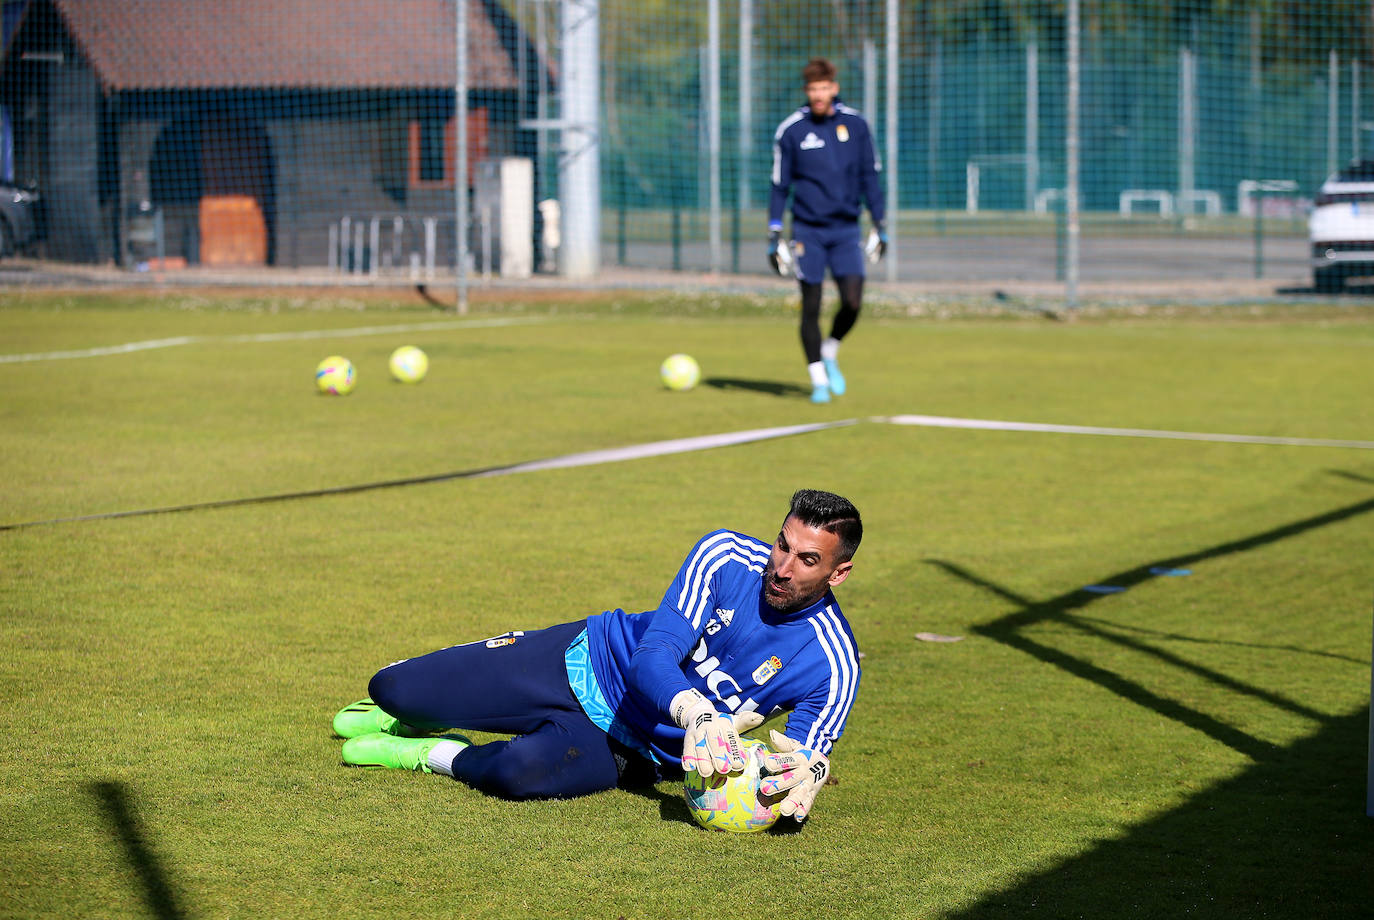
pixel 505 639
pixel 719 621
pixel 766 670
pixel 811 141
pixel 842 133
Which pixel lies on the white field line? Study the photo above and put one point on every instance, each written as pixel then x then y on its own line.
pixel 662 448
pixel 100 352
pixel 939 421
pixel 587 458
pixel 709 442
pixel 304 334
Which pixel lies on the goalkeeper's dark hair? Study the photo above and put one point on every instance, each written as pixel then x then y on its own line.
pixel 818 70
pixel 831 513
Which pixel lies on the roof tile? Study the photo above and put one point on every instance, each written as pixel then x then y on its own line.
pixel 301 44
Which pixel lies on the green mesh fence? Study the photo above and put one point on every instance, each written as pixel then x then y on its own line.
pixel 312 134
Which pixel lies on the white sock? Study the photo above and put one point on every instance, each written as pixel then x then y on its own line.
pixel 441 756
pixel 819 378
pixel 830 349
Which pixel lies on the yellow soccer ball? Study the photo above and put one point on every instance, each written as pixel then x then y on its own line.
pixel 409 364
pixel 733 803
pixel 334 376
pixel 679 372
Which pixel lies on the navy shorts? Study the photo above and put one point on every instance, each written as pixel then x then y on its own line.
pixel 838 246
pixel 515 684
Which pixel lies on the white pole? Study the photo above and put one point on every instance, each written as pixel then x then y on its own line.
pixel 460 166
pixel 890 168
pixel 1354 111
pixel 1032 124
pixel 541 99
pixel 746 98
pixel 870 70
pixel 1333 117
pixel 1071 162
pixel 1187 129
pixel 713 128
pixel 579 175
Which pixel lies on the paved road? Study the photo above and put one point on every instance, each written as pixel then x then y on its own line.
pixel 1012 258
pixel 1157 266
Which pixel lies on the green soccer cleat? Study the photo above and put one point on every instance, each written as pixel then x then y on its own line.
pixel 382 750
pixel 365 717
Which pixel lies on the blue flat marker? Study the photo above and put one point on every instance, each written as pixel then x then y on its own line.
pixel 1165 570
pixel 1103 589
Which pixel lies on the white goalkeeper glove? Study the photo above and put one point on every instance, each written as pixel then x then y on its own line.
pixel 795 768
pixel 711 743
pixel 780 254
pixel 876 247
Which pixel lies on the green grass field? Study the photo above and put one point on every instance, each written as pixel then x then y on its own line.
pixel 1194 745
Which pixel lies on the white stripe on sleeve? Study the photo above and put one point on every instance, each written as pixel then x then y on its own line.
pixel 839 652
pixel 711 555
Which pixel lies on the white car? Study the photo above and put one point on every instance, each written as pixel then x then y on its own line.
pixel 1341 227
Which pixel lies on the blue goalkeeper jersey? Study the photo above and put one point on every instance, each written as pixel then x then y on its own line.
pixel 714 632
pixel 829 165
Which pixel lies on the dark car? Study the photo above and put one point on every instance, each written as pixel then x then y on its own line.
pixel 20 221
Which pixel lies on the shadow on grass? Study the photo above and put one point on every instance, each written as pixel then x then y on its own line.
pixel 771 387
pixel 158 894
pixel 1060 610
pixel 1285 838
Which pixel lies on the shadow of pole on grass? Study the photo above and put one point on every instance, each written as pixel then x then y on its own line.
pixel 1284 838
pixel 1060 610
pixel 157 892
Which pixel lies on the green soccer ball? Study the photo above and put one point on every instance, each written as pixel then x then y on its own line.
pixel 732 802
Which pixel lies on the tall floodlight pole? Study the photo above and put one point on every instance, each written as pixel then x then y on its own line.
pixel 460 154
pixel 1071 162
pixel 890 206
pixel 579 171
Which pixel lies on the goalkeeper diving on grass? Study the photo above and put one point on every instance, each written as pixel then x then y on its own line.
pixel 746 630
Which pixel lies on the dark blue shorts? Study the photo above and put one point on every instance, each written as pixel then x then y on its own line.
pixel 838 246
pixel 512 684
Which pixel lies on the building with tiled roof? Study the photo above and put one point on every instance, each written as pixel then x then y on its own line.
pixel 250 127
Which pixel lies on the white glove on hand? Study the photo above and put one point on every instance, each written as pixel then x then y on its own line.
pixel 780 254
pixel 711 743
pixel 794 767
pixel 876 247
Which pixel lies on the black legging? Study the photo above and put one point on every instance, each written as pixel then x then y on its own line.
pixel 851 289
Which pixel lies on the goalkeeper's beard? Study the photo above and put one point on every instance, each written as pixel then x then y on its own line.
pixel 783 596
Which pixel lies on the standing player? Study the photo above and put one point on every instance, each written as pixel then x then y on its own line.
pixel 823 153
pixel 745 630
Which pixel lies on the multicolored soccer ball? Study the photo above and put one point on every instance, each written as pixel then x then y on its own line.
pixel 409 364
pixel 334 376
pixel 732 802
pixel 679 372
